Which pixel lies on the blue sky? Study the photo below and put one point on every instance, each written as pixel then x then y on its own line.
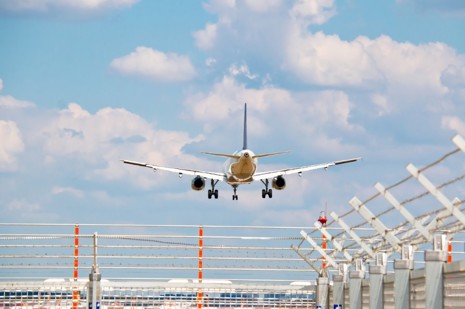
pixel 84 84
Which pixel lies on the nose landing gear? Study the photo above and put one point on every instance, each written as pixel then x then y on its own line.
pixel 235 197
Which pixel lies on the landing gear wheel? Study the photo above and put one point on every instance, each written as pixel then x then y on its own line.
pixel 213 191
pixel 266 191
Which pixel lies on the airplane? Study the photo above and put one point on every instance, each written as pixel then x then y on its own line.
pixel 241 168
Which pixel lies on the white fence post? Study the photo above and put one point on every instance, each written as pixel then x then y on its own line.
pixel 377 273
pixel 434 269
pixel 338 285
pixel 402 270
pixel 94 292
pixel 355 285
pixel 322 295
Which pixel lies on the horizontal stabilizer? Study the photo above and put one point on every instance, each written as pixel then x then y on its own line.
pixel 269 154
pixel 223 155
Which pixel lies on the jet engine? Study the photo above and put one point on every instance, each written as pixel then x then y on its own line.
pixel 198 183
pixel 279 183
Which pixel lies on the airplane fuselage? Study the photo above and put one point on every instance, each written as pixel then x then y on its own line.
pixel 241 170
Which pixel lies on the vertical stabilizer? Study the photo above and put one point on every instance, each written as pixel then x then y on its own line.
pixel 244 146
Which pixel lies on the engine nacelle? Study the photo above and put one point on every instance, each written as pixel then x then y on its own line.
pixel 198 183
pixel 279 183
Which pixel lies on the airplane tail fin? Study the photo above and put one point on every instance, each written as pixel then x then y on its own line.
pixel 244 140
pixel 244 146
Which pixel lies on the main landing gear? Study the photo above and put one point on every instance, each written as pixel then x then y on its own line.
pixel 213 191
pixel 266 191
pixel 235 197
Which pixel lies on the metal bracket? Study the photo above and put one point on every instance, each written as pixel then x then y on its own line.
pixel 354 236
pixel 363 210
pixel 319 249
pixel 436 193
pixel 403 211
pixel 337 245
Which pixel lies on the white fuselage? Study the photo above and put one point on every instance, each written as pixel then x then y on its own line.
pixel 241 170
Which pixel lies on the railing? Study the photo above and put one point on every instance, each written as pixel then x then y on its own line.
pixel 156 295
pixel 418 223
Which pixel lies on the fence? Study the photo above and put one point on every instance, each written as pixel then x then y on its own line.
pixel 156 295
pixel 412 248
pixel 152 266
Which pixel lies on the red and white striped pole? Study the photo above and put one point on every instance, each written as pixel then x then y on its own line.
pixel 449 251
pixel 76 266
pixel 323 245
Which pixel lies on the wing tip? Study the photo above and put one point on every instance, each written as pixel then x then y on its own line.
pixel 348 161
pixel 134 163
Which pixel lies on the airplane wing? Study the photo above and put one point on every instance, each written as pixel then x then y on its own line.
pixel 296 170
pixel 180 171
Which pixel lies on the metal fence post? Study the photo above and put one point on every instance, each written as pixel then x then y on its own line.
pixel 434 282
pixel 94 289
pixel 377 273
pixel 355 285
pixel 338 286
pixel 402 270
pixel 322 296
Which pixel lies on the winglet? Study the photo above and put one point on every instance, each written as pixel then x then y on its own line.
pixel 134 163
pixel 347 161
pixel 244 146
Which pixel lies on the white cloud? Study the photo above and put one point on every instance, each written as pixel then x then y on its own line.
pixel 259 28
pixel 21 209
pixel 313 11
pixel 9 102
pixel 218 6
pixel 454 123
pixel 147 62
pixel 13 103
pixel 227 96
pixel 284 38
pixel 454 76
pixel 102 139
pixel 49 5
pixel 67 190
pixel 205 39
pixel 262 6
pixel 244 28
pixel 322 117
pixel 20 206
pixel 328 60
pixel 11 144
pixel 243 69
pixel 210 62
pixel 382 103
